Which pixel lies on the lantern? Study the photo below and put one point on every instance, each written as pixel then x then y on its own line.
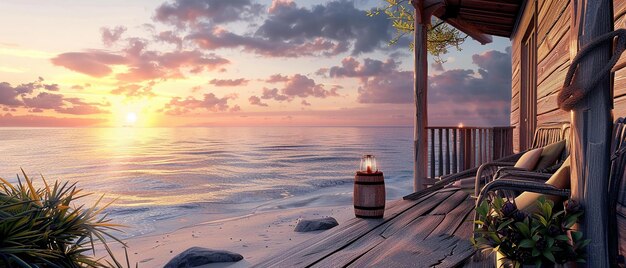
pixel 369 189
pixel 368 164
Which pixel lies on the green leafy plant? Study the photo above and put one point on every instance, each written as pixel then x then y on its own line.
pixel 43 227
pixel 545 237
pixel 441 36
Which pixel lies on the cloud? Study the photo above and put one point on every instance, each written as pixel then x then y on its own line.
pixel 273 94
pixel 134 90
pixel 81 87
pixel 437 66
pixel 183 13
pixel 210 102
pixel 335 20
pixel 9 95
pixel 480 96
pixel 142 64
pixel 393 87
pixel 44 100
pixel 492 80
pixel 171 38
pixel 305 103
pixel 110 36
pixel 380 81
pixel 229 82
pixel 35 97
pixel 216 38
pixel 8 120
pixel 235 108
pixel 351 67
pixel 51 87
pixel 302 86
pixel 297 85
pixel 254 100
pixel 290 31
pixel 277 78
pixel 94 63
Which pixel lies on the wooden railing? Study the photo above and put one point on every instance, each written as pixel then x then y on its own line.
pixel 454 149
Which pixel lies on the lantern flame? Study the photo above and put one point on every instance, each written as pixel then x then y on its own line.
pixel 368 164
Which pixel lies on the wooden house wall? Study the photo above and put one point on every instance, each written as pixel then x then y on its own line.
pixel 554 50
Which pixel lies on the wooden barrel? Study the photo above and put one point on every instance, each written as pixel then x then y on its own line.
pixel 369 195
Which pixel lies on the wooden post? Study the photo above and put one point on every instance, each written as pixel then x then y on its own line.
pixel 421 109
pixel 591 127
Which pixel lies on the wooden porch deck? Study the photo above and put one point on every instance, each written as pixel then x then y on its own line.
pixel 432 231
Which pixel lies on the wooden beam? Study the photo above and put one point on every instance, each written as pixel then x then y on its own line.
pixel 421 106
pixel 427 8
pixel 470 30
pixel 591 129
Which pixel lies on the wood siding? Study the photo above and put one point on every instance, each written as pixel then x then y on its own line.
pixel 554 51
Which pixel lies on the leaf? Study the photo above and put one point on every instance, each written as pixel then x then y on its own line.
pixel 482 210
pixel 542 220
pixel 576 236
pixel 584 243
pixel 504 224
pixel 523 228
pixel 527 243
pixel 561 238
pixel 549 256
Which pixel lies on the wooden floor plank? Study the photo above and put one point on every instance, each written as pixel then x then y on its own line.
pixel 464 250
pixel 353 251
pixel 455 218
pixel 432 231
pixel 445 207
pixel 410 216
pixel 376 236
pixel 314 250
pixel 425 253
pixel 413 234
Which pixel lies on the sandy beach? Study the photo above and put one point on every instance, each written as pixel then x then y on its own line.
pixel 255 236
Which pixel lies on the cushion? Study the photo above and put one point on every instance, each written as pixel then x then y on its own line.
pixel 529 159
pixel 559 179
pixel 550 154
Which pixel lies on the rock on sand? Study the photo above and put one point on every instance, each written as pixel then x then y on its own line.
pixel 197 256
pixel 316 224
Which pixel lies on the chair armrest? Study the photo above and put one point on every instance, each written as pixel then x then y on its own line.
pixel 486 171
pixel 520 185
pixel 447 179
pixel 523 175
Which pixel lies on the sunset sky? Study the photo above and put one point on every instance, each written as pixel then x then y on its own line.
pixel 230 63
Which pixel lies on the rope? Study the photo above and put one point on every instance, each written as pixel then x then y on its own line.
pixel 573 92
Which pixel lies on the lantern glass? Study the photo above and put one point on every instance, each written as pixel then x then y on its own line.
pixel 368 164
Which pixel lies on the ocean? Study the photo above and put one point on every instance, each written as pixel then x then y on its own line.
pixel 165 178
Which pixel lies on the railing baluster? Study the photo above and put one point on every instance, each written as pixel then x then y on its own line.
pixel 432 153
pixel 440 156
pixel 469 147
pixel 447 151
pixel 480 146
pixel 455 167
pixel 474 158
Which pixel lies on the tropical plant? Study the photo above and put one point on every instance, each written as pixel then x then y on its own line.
pixel 441 36
pixel 545 237
pixel 44 227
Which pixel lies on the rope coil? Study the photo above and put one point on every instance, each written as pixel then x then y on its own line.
pixel 573 91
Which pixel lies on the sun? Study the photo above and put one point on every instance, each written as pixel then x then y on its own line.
pixel 131 118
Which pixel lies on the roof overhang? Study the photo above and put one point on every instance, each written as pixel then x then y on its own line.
pixel 477 18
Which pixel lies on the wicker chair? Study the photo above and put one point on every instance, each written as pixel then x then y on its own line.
pixel 616 192
pixel 544 135
pixel 492 171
